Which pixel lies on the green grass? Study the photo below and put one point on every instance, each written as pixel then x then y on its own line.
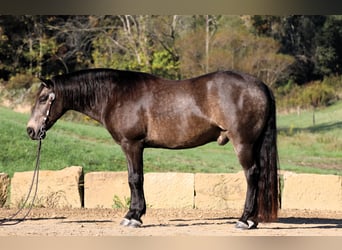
pixel 302 147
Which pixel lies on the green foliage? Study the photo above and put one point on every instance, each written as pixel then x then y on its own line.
pixel 117 203
pixel 20 81
pixel 317 54
pixel 334 82
pixel 105 56
pixel 328 53
pixel 315 94
pixel 164 65
pixel 318 94
pixel 232 47
pixel 274 48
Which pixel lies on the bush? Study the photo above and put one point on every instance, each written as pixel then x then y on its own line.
pixel 334 82
pixel 20 81
pixel 314 94
pixel 318 94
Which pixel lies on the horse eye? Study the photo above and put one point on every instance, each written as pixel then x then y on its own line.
pixel 43 99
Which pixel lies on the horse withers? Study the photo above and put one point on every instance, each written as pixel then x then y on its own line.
pixel 141 110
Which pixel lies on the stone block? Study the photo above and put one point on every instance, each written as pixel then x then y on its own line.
pixel 312 191
pixel 106 189
pixel 4 186
pixel 169 190
pixel 58 189
pixel 220 191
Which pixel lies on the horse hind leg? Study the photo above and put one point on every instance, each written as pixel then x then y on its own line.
pixel 248 219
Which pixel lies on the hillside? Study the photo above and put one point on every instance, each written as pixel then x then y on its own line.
pixel 302 147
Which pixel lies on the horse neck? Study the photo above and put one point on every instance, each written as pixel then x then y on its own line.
pixel 95 114
pixel 90 105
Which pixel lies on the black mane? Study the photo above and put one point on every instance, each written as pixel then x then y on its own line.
pixel 87 88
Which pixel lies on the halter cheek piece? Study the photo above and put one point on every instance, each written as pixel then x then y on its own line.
pixel 42 131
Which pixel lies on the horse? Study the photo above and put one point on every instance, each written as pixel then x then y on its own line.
pixel 141 110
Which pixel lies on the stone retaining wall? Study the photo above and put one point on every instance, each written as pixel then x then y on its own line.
pixel 4 187
pixel 312 191
pixel 100 189
pixel 55 189
pixel 64 188
pixel 220 191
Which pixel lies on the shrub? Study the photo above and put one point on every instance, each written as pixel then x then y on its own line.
pixel 318 94
pixel 314 94
pixel 20 81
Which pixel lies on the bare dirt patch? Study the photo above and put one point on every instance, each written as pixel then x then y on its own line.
pixel 169 222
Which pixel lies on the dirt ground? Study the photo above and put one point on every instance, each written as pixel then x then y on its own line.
pixel 168 222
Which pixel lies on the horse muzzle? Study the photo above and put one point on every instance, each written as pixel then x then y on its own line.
pixel 36 135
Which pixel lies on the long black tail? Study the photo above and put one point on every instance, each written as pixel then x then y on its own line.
pixel 268 198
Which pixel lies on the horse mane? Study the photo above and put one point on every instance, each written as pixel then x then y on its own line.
pixel 87 88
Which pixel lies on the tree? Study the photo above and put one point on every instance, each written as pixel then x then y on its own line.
pixel 18 43
pixel 314 41
pixel 45 45
pixel 232 46
pixel 73 36
pixel 127 41
pixel 144 43
pixel 166 31
pixel 328 49
pixel 317 94
pixel 24 46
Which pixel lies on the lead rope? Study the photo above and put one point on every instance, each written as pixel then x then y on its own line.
pixel 12 220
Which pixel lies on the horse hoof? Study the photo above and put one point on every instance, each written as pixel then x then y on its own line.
pixel 246 226
pixel 125 222
pixel 252 224
pixel 135 223
pixel 241 225
pixel 131 223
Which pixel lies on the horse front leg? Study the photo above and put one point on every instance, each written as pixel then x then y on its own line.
pixel 134 155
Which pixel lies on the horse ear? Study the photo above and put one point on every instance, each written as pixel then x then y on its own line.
pixel 46 82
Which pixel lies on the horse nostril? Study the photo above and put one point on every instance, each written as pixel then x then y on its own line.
pixel 30 132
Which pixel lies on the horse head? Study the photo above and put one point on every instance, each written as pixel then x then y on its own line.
pixel 45 111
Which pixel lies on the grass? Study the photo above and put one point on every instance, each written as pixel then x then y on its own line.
pixel 302 147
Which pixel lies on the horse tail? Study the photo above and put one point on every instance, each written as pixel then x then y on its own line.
pixel 268 197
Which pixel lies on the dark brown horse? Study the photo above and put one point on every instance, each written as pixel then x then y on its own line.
pixel 141 110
